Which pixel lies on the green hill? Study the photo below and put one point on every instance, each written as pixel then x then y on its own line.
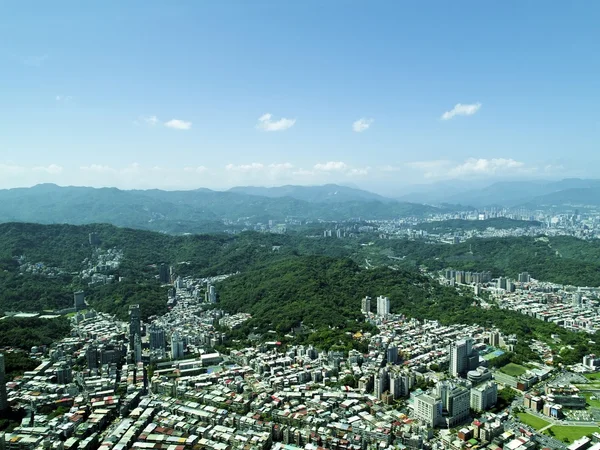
pixel 194 211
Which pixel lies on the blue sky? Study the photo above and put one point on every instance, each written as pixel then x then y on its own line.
pixel 377 94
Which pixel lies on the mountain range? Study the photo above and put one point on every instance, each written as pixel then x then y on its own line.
pixel 205 210
pixel 198 210
pixel 531 194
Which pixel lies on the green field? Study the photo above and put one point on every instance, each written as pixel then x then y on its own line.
pixel 592 376
pixel 570 433
pixel 512 369
pixel 532 421
pixel 595 402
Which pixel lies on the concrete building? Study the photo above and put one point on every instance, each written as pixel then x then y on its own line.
pixel 137 349
pixel 157 337
pixel 135 324
pixel 64 374
pixel 211 294
pixel 79 300
pixel 392 354
pixel 462 357
pixel 484 396
pixel 177 347
pixel 455 402
pixel 91 357
pixel 383 306
pixel 3 398
pixel 163 274
pixel 428 409
pixel 365 305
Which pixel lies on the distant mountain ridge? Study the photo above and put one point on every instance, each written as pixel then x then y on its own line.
pixel 313 194
pixel 532 193
pixel 191 211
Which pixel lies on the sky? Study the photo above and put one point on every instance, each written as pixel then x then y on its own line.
pixel 380 95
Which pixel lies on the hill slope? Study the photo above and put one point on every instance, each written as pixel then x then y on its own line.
pixel 185 211
pixel 315 194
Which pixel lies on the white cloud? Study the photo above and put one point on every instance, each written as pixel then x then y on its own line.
pixel 281 166
pixel 253 167
pixel 63 98
pixel 178 124
pixel 362 124
pixel 461 110
pixel 360 172
pixel 150 120
pixel 266 124
pixel 332 166
pixel 199 169
pixel 481 166
pixel 472 167
pixel 98 168
pixel 52 169
pixel 390 168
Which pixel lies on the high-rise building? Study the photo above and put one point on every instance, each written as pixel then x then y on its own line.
pixel 462 357
pixel 502 283
pixel 455 401
pixel 428 409
pixel 381 383
pixel 177 347
pixel 137 349
pixel 3 396
pixel 94 239
pixel 484 396
pixel 79 300
pixel 365 305
pixel 135 324
pixel 524 277
pixel 383 306
pixel 392 354
pixel 91 357
pixel 157 337
pixel 64 374
pixel 211 294
pixel 401 383
pixel 163 274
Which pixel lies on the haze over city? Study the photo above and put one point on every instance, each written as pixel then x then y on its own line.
pixel 218 94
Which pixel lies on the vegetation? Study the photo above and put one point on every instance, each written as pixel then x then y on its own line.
pixel 292 280
pixel 25 333
pixel 186 211
pixel 505 398
pixel 17 362
pixel 501 223
pixel 564 260
pixel 514 370
pixel 533 421
pixel 571 433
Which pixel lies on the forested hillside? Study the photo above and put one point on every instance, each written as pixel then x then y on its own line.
pixel 325 293
pixel 563 260
pixel 286 280
pixel 195 211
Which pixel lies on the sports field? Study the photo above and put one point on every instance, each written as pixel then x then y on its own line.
pixel 532 421
pixel 512 369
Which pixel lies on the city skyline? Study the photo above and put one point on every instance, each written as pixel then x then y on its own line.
pixel 192 95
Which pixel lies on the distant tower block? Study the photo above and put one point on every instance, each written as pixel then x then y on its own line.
pixel 366 305
pixel 3 396
pixel 79 300
pixel 163 274
pixel 135 324
pixel 94 239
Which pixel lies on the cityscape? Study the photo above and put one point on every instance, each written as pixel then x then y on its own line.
pixel 314 225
